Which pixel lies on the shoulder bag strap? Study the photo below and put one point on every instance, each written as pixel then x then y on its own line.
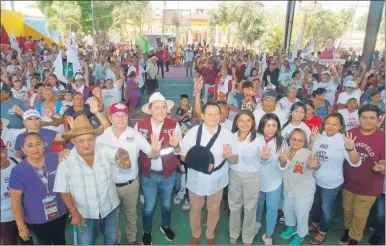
pixel 214 138
pixel 199 133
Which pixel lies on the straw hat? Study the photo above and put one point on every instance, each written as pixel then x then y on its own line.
pixel 156 96
pixel 81 127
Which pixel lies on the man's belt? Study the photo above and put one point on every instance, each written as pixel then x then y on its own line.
pixel 159 173
pixel 124 184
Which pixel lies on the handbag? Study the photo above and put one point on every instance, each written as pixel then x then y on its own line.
pixel 199 157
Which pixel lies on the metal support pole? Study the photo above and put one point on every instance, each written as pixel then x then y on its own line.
pixel 288 24
pixel 373 22
pixel 93 24
pixel 163 24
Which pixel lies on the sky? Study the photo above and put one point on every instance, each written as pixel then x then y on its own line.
pixel 363 6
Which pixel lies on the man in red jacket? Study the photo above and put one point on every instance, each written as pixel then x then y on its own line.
pixel 160 62
pixel 158 175
pixel 362 185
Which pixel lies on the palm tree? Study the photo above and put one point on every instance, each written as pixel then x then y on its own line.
pixel 61 14
pixel 133 13
pixel 224 15
pixel 273 39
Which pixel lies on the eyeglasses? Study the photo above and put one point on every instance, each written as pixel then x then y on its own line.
pixel 33 118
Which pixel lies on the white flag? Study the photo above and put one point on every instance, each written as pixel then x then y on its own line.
pixel 296 45
pixel 308 49
pixel 13 42
pixel 263 66
pixel 58 68
pixel 72 53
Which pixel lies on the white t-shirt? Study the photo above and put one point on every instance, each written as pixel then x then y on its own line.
pixel 331 154
pixel 259 113
pixel 345 96
pixel 9 138
pixel 6 211
pixel 285 132
pixel 223 85
pixel 285 105
pixel 330 87
pixel 249 154
pixel 111 96
pixel 351 120
pixel 20 94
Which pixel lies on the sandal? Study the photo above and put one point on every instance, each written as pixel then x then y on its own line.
pixel 313 228
pixel 233 241
pixel 318 239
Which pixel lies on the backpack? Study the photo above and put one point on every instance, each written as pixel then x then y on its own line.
pixel 199 157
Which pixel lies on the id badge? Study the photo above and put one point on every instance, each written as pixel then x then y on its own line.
pixel 50 207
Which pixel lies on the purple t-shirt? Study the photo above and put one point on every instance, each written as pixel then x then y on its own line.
pixel 26 179
pixel 47 135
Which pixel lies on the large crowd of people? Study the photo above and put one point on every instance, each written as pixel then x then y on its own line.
pixel 265 132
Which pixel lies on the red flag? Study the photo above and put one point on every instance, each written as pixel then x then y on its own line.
pixel 4 36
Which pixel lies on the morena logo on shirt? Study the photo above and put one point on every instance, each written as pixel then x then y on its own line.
pixel 324 146
pixel 130 139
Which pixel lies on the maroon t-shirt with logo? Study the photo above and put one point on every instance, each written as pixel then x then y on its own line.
pixel 363 180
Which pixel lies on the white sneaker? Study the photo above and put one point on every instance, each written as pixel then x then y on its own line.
pixel 177 200
pixel 257 227
pixel 186 205
pixel 142 199
pixel 267 241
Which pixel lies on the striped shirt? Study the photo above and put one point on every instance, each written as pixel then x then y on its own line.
pixel 92 189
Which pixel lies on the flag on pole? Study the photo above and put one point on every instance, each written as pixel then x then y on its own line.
pixel 296 46
pixel 58 68
pixel 72 53
pixel 263 66
pixel 13 42
pixel 308 49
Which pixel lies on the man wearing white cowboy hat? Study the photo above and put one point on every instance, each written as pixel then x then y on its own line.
pixel 126 181
pixel 350 92
pixel 84 179
pixel 158 175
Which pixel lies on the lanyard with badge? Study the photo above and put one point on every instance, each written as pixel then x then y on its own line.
pixel 49 202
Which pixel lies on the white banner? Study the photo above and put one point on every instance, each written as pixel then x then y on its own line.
pixel 308 49
pixel 14 43
pixel 58 68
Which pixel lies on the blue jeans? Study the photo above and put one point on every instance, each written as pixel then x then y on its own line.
pixel 152 187
pixel 177 186
pixel 380 218
pixel 108 226
pixel 272 200
pixel 322 211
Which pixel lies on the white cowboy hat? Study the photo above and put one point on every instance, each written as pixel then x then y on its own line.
pixel 156 96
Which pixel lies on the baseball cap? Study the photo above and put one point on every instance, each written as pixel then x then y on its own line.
pixel 14 79
pixel 5 87
pixel 79 77
pixel 269 93
pixel 119 107
pixel 31 113
pixel 326 73
pixel 351 84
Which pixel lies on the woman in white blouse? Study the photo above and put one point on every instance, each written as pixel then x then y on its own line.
pixel 295 120
pixel 332 148
pixel 350 114
pixel 273 152
pixel 299 187
pixel 286 102
pixel 244 178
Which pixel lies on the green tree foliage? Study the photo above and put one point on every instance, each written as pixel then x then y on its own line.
pixel 322 23
pixel 273 39
pixel 250 21
pixel 361 22
pixel 132 13
pixel 224 16
pixel 60 15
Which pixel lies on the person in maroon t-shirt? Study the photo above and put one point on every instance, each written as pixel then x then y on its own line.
pixel 160 60
pixel 362 185
pixel 209 72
